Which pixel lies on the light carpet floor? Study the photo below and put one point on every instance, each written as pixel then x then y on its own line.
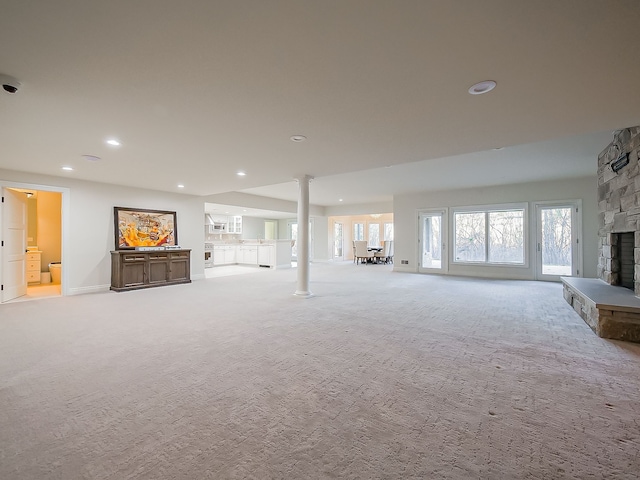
pixel 381 375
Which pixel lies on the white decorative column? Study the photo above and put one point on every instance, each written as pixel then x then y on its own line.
pixel 303 236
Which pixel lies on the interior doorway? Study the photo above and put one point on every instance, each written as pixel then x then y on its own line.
pixel 31 266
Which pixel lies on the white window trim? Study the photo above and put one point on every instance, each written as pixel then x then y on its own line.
pixel 486 209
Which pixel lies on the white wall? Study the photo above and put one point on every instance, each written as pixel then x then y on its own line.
pixel 49 218
pixel 321 251
pixel 405 209
pixel 252 228
pixel 89 219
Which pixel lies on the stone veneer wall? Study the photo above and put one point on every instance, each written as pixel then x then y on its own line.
pixel 618 204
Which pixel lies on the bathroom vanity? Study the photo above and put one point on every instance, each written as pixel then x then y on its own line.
pixel 34 266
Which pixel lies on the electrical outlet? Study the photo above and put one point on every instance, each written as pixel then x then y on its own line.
pixel 404 262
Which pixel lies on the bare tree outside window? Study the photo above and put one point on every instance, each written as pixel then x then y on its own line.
pixel 506 236
pixel 374 234
pixel 470 237
pixel 493 236
pixel 388 231
pixel 556 241
pixel 358 231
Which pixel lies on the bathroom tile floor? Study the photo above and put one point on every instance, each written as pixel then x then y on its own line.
pixel 37 292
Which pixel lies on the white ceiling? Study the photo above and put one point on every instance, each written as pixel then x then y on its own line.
pixel 197 90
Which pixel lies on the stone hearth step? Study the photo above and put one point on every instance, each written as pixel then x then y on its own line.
pixel 611 312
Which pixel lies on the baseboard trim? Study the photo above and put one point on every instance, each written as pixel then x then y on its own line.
pixel 91 289
pixel 403 269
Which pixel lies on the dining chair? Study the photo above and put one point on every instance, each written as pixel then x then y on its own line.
pixel 390 251
pixel 383 255
pixel 362 252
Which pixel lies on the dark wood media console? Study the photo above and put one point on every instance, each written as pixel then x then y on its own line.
pixel 132 270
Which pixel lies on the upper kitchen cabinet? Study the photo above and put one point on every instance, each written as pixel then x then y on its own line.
pixel 235 224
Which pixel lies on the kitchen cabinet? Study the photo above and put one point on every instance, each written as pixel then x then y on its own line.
pixel 34 266
pixel 131 270
pixel 266 255
pixel 224 254
pixel 230 255
pixel 248 254
pixel 218 256
pixel 235 224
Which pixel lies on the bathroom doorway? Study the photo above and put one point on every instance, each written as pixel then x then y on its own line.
pixel 40 247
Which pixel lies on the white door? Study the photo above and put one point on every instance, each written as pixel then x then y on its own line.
pixel 14 241
pixel 433 241
pixel 557 240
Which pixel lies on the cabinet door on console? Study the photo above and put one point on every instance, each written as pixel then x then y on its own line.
pixel 158 267
pixel 133 270
pixel 180 266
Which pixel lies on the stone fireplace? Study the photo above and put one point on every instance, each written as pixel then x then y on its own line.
pixel 619 208
pixel 609 309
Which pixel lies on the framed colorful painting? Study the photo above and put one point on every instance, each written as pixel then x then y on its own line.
pixel 137 227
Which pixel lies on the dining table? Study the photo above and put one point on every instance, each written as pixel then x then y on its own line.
pixel 375 250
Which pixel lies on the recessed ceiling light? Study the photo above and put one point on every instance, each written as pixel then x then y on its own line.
pixel 91 158
pixel 67 168
pixel 339 199
pixel 298 138
pixel 113 142
pixel 241 174
pixel 482 87
pixel 180 185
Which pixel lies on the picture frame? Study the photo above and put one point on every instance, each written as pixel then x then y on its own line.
pixel 139 227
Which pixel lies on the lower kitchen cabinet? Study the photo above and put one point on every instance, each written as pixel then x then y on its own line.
pixel 132 270
pixel 266 255
pixel 230 255
pixel 248 254
pixel 218 256
pixel 224 255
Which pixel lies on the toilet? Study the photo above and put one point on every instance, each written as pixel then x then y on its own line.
pixel 56 271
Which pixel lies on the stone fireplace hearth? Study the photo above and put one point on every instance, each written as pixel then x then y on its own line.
pixel 609 308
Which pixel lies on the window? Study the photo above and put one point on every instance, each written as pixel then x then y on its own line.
pixel 493 235
pixel 358 231
pixel 388 231
pixel 374 234
pixel 506 236
pixel 470 237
